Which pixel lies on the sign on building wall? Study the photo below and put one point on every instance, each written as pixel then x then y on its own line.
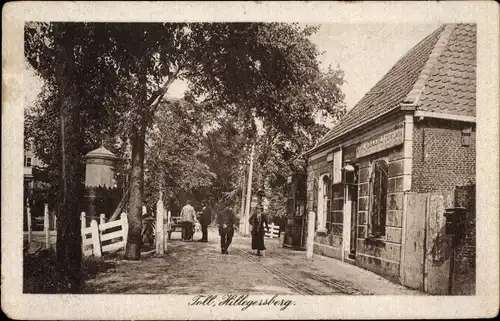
pixel 337 166
pixel 381 142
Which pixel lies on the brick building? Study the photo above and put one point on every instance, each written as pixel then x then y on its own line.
pixel 412 133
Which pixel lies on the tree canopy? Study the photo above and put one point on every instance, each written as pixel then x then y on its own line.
pixel 117 75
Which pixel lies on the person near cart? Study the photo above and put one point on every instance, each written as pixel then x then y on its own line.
pixel 188 218
pixel 205 219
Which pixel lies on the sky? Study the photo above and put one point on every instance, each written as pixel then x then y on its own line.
pixel 365 52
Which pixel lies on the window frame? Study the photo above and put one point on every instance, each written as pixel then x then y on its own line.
pixel 377 224
pixel 325 200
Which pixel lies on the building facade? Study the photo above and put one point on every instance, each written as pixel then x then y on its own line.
pixel 409 141
pixel 30 162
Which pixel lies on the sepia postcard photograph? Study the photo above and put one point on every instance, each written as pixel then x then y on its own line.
pixel 250 160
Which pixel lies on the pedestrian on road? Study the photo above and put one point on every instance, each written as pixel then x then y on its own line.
pixel 205 220
pixel 188 217
pixel 225 220
pixel 257 222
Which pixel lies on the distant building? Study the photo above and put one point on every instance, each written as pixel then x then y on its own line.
pixel 380 180
pixel 30 161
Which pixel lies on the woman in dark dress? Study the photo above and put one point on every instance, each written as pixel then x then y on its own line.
pixel 257 222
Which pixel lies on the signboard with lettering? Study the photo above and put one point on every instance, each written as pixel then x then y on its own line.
pixel 381 142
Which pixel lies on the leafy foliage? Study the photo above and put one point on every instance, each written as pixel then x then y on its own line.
pixel 174 152
pixel 237 73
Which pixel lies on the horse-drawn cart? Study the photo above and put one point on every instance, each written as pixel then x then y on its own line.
pixel 174 226
pixel 149 228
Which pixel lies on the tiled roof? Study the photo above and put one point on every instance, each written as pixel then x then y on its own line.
pixel 451 87
pixel 438 74
pixel 101 152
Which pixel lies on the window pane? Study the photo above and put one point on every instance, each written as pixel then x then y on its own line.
pixel 379 198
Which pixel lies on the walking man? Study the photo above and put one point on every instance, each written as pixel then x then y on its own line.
pixel 205 220
pixel 188 217
pixel 225 220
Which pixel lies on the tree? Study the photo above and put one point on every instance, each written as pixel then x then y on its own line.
pixel 226 143
pixel 70 117
pixel 247 66
pixel 278 148
pixel 245 69
pixel 174 153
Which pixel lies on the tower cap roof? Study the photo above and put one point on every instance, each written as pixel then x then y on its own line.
pixel 101 153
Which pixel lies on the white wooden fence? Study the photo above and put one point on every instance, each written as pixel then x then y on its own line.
pixel 48 234
pixel 274 231
pixel 94 235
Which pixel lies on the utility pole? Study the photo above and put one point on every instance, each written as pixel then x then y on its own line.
pixel 242 208
pixel 249 193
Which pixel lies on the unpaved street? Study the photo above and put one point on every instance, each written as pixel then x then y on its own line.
pixel 194 268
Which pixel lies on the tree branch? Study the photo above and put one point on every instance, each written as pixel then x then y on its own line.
pixel 156 98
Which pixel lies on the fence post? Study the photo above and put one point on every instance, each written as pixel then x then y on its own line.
pixel 82 227
pixel 83 220
pixel 166 228
pixel 55 230
pixel 102 220
pixel 310 235
pixel 169 227
pixel 28 214
pixel 123 218
pixel 160 232
pixel 272 230
pixel 96 242
pixel 46 225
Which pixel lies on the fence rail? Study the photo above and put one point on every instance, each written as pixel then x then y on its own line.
pixel 95 231
pixel 274 231
pixel 98 235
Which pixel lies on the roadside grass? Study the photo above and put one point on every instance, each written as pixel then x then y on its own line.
pixel 40 275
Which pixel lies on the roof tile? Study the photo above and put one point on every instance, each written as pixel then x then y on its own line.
pixel 457 68
pixel 395 86
pixel 450 86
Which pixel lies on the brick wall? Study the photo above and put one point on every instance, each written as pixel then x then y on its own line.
pixel 382 255
pixel 440 162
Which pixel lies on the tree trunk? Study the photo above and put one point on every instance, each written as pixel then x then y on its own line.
pixel 134 215
pixel 68 246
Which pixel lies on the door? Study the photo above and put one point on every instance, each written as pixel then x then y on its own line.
pixel 413 265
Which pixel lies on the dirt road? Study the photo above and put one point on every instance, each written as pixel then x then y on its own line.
pixel 194 268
